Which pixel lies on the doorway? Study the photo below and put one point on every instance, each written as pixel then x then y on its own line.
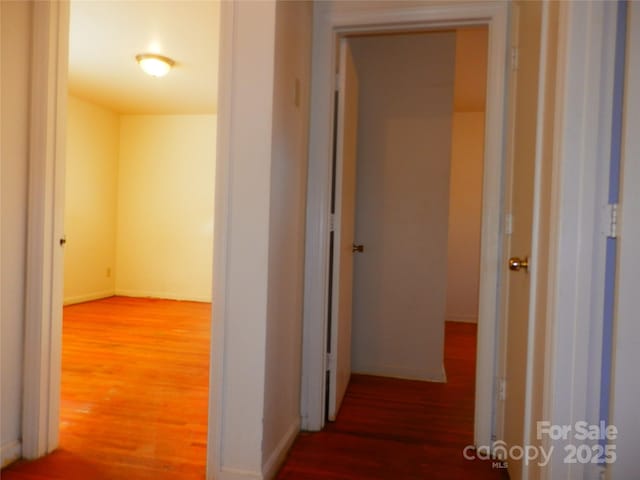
pixel 318 252
pixel 418 197
pixel 139 207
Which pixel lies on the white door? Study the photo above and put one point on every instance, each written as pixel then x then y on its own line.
pixel 339 364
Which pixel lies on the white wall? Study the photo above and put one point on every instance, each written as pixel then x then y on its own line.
pixel 139 204
pixel 260 192
pixel 165 206
pixel 14 124
pixel 404 148
pixel 287 224
pixel 467 156
pixel 241 245
pixel 91 179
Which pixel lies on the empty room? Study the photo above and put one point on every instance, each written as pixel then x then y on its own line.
pixel 139 211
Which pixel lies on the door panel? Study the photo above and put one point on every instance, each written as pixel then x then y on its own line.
pixel 527 24
pixel 345 186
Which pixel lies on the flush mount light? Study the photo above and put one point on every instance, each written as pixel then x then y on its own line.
pixel 154 65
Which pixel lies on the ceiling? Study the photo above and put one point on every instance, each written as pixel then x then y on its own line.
pixel 106 35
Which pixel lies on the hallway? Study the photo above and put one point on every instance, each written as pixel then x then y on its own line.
pixel 390 429
pixel 134 406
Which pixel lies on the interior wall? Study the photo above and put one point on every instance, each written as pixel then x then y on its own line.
pixel 241 246
pixel 467 157
pixel 287 225
pixel 90 216
pixel 165 206
pixel 404 149
pixel 15 44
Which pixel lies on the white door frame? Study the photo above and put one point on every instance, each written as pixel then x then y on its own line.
pixel 43 318
pixel 43 309
pixel 626 387
pixel 331 20
pixel 578 191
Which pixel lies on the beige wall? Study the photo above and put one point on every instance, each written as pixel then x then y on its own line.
pixel 404 148
pixel 139 204
pixel 165 206
pixel 287 224
pixel 14 122
pixel 467 153
pixel 91 172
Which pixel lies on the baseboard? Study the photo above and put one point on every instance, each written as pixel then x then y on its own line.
pixel 10 452
pixel 88 297
pixel 279 454
pixel 162 295
pixel 399 372
pixel 462 318
pixel 237 474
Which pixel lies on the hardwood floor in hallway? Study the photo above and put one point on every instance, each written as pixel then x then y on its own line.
pixel 134 406
pixel 135 376
pixel 390 429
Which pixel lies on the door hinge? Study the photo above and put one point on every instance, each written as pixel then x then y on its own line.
pixel 611 220
pixel 508 224
pixel 502 389
pixel 515 56
pixel 332 222
pixel 330 361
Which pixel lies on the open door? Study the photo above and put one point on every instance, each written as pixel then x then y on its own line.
pixel 342 245
pixel 524 130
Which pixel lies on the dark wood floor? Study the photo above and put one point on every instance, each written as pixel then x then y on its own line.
pixel 391 429
pixel 134 406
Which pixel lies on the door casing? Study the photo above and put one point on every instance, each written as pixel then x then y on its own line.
pixel 330 24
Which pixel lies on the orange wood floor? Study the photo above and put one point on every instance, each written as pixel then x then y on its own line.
pixel 134 406
pixel 135 375
pixel 390 429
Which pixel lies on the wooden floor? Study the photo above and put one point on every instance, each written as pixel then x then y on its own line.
pixel 134 406
pixel 134 393
pixel 390 429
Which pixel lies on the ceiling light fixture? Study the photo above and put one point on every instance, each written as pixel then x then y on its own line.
pixel 154 65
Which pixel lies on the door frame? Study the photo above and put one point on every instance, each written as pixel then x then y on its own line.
pixel 571 307
pixel 625 387
pixel 42 370
pixel 332 21
pixel 43 305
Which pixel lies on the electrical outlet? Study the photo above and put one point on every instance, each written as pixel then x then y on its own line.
pixel 108 272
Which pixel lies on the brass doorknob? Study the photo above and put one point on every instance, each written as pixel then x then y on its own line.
pixel 516 263
pixel 357 248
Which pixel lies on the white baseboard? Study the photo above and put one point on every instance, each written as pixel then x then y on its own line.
pixel 235 474
pixel 10 452
pixel 162 295
pixel 279 454
pixel 462 318
pixel 87 297
pixel 400 372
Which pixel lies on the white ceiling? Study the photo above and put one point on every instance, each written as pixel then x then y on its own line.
pixel 106 35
